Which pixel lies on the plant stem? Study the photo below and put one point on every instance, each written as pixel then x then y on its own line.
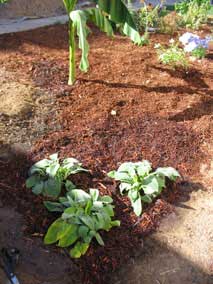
pixel 71 53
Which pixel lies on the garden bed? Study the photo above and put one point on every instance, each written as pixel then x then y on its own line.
pixel 128 107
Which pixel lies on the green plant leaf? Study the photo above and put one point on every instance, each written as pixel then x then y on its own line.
pixel 94 194
pixel 69 185
pixel 80 195
pixel 99 239
pixel 135 199
pixel 146 199
pixel 54 157
pixel 115 223
pixel 54 206
pixel 87 220
pixel 96 16
pixel 79 20
pixel 83 231
pixel 111 174
pixel 52 187
pixel 38 188
pixel 79 250
pixel 69 237
pixel 150 185
pixel 52 169
pixel 169 172
pixel 106 199
pixel 117 10
pixel 143 168
pixel 54 232
pixel 133 34
pixel 32 181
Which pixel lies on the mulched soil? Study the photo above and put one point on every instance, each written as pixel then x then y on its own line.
pixel 162 115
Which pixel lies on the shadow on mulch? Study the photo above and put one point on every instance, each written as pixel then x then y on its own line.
pixel 121 244
pixel 205 107
pixel 193 77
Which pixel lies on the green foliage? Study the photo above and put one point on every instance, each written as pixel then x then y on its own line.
pixel 147 18
pixel 3 1
pixel 172 55
pixel 103 16
pixel 199 52
pixel 47 176
pixel 193 12
pixel 84 215
pixel 142 185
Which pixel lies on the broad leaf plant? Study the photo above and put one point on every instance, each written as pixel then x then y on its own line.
pixel 84 216
pixel 140 183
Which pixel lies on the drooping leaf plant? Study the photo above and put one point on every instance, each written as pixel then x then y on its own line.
pixel 140 183
pixel 106 14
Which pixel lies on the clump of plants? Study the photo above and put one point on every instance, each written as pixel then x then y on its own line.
pixel 194 45
pixel 140 183
pixel 83 215
pixel 172 55
pixel 47 176
pixel 147 17
pixel 193 12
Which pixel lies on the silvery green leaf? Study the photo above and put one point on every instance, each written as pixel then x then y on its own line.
pixel 109 210
pixel 124 187
pixel 70 162
pixel 52 169
pixel 135 199
pixel 83 231
pixel 53 206
pixel 106 199
pixel 38 188
pixel 54 157
pixel 69 185
pixel 94 193
pixel 32 181
pixel 42 164
pixel 123 177
pixel 169 172
pixel 97 205
pixel 150 185
pixel 146 198
pixel 133 195
pixel 143 168
pixel 52 187
pixel 127 167
pixel 87 220
pixel 79 195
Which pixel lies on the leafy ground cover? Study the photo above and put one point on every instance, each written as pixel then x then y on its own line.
pixel 129 107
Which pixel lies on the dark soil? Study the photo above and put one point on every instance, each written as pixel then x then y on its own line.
pixel 161 115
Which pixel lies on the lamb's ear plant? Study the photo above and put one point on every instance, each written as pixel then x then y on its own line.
pixel 103 16
pixel 140 183
pixel 84 216
pixel 47 176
